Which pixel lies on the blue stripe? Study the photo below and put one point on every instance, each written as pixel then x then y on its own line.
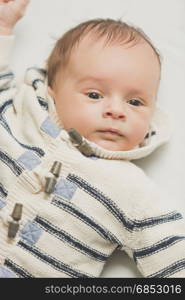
pixel 3 122
pixel 153 221
pixel 3 191
pixel 170 270
pixel 4 89
pixel 35 81
pixel 12 164
pixel 2 204
pixel 10 74
pixel 5 105
pixel 53 262
pixel 42 102
pixel 161 245
pixel 104 233
pixel 21 272
pixel 40 70
pixel 129 224
pixel 107 202
pixel 64 236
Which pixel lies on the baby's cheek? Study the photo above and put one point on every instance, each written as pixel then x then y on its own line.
pixel 78 121
pixel 140 131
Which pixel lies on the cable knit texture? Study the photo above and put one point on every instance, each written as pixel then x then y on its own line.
pixel 99 203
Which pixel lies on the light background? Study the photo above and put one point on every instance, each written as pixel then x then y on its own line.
pixel 164 22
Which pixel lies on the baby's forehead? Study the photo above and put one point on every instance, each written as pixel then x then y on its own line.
pixel 96 49
pixel 93 41
pixel 93 60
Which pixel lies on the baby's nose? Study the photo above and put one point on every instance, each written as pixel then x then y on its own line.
pixel 115 109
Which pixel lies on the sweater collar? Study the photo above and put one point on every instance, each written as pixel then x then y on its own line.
pixel 158 135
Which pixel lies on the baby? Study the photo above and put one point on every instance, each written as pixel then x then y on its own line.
pixel 69 195
pixel 105 89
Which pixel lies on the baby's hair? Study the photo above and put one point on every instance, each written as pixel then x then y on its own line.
pixel 115 32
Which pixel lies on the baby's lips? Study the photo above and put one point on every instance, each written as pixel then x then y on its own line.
pixel 111 131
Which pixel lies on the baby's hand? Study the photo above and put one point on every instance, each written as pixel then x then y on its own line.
pixel 10 12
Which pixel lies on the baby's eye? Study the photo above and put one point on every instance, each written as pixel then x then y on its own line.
pixel 94 95
pixel 135 102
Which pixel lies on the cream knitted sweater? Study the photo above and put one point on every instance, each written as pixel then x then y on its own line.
pixel 99 203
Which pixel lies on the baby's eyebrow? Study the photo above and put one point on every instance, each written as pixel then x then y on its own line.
pixel 131 91
pixel 91 78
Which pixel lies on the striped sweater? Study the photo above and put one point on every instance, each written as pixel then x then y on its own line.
pixel 99 203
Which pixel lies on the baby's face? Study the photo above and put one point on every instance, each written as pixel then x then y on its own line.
pixel 108 93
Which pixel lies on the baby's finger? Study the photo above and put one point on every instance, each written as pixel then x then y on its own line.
pixel 5 1
pixel 20 5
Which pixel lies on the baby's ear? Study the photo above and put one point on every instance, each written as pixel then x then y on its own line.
pixel 50 92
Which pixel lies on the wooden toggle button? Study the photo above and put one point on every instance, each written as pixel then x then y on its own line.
pixel 81 144
pixel 51 181
pixel 14 224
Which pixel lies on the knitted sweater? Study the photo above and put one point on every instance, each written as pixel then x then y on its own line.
pixel 99 203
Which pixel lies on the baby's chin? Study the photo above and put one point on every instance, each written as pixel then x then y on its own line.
pixel 111 145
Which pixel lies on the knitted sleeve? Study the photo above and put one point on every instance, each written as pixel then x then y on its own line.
pixel 157 238
pixel 21 116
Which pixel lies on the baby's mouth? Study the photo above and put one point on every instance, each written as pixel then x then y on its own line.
pixel 111 132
